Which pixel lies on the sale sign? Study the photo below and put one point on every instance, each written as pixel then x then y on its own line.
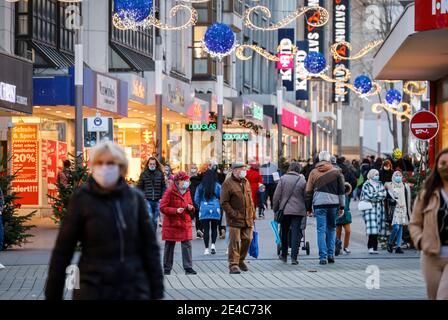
pixel 62 154
pixel 52 167
pixel 24 132
pixel 431 14
pixel 25 165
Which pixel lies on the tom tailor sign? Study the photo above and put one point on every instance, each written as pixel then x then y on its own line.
pixel 106 93
pixel 285 65
pixel 341 32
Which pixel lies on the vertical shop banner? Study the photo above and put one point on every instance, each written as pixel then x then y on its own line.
pixel 25 164
pixel 52 168
pixel 301 85
pixel 62 154
pixel 315 36
pixel 285 65
pixel 341 32
pixel 44 158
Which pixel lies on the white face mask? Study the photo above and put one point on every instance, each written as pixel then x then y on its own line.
pixel 106 175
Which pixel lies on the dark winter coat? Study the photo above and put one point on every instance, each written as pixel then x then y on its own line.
pixel 120 257
pixel 152 183
pixel 176 226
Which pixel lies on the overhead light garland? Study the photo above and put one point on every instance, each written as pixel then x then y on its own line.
pixel 394 105
pixel 266 54
pixel 364 86
pixel 219 40
pixel 370 46
pixel 415 88
pixel 321 14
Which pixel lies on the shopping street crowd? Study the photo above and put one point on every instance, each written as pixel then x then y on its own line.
pixel 115 224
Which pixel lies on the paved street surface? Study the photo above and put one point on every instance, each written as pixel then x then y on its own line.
pixel 268 278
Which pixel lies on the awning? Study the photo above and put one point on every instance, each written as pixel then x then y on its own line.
pixel 410 55
pixel 52 56
pixel 135 60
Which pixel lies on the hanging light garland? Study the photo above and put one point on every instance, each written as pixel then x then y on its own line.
pixel 337 56
pixel 394 105
pixel 364 86
pixel 266 54
pixel 415 88
pixel 321 17
pixel 219 40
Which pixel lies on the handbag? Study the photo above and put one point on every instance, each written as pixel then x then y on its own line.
pixel 253 248
pixel 278 216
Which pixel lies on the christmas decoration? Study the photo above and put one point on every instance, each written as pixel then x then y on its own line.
pixel 219 40
pixel 415 88
pixel 370 46
pixel 363 84
pixel 315 63
pixel 131 14
pixel 393 97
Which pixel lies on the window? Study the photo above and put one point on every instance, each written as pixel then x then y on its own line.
pixel 178 47
pixel 256 71
pixel 200 57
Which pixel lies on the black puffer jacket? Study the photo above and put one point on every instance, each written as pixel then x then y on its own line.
pixel 120 257
pixel 152 183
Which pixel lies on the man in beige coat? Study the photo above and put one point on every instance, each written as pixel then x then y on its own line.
pixel 236 201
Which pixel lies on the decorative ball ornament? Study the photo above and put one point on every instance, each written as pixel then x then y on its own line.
pixel 315 63
pixel 219 40
pixel 397 154
pixel 131 13
pixel 363 84
pixel 393 96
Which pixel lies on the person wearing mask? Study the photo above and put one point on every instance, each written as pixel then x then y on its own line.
pixel 373 192
pixel 195 180
pixel 429 228
pixel 325 195
pixel 400 193
pixel 386 172
pixel 178 210
pixel 152 183
pixel 236 201
pixel 290 197
pixel 268 172
pixel 207 200
pixel 255 180
pixel 2 204
pixel 120 257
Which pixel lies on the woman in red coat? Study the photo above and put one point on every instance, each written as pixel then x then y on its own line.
pixel 178 210
pixel 255 179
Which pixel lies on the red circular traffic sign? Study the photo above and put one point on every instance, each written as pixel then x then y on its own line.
pixel 424 125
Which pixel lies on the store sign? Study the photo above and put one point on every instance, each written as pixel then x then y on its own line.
pixel 106 93
pixel 137 89
pixel 176 95
pixel 252 110
pixel 301 72
pixel 296 122
pixel 236 136
pixel 91 137
pixel 24 132
pixel 25 164
pixel 314 35
pixel 341 32
pixel 212 126
pixel 285 54
pixel 431 14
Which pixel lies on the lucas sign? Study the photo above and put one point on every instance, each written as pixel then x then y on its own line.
pixel 431 14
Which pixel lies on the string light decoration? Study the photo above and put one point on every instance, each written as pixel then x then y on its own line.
pixel 415 88
pixel 131 14
pixel 370 46
pixel 266 54
pixel 393 97
pixel 315 63
pixel 66 1
pixel 219 40
pixel 394 105
pixel 338 71
pixel 363 84
pixel 320 17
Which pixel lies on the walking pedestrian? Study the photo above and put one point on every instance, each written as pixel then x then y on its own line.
pixel 152 183
pixel 2 204
pixel 178 210
pixel 325 196
pixel 195 181
pixel 64 174
pixel 429 228
pixel 344 223
pixel 120 257
pixel 255 180
pixel 267 171
pixel 308 168
pixel 261 200
pixel 290 197
pixel 400 193
pixel 386 172
pixel 207 198
pixel 373 192
pixel 236 201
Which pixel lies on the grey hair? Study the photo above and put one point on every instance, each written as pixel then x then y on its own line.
pixel 295 167
pixel 325 156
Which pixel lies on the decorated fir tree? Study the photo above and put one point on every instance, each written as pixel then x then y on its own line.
pixel 75 177
pixel 15 225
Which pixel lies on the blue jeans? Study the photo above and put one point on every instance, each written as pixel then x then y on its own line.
pixel 154 211
pixel 1 232
pixel 397 234
pixel 326 231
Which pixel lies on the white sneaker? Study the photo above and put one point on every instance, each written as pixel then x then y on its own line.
pixel 2 266
pixel 213 249
pixel 347 251
pixel 371 251
pixel 206 252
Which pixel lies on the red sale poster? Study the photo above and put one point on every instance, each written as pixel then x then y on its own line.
pixel 25 165
pixel 44 158
pixel 52 167
pixel 62 154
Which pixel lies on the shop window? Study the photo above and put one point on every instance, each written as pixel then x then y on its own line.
pixel 201 60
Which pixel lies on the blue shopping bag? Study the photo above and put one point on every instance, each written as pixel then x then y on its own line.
pixel 274 227
pixel 253 249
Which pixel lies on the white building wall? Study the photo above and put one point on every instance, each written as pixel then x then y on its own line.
pixel 7 27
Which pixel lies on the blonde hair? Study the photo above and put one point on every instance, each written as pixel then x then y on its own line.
pixel 114 151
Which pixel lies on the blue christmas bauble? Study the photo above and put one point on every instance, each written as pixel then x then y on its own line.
pixel 315 62
pixel 135 10
pixel 219 39
pixel 393 96
pixel 363 84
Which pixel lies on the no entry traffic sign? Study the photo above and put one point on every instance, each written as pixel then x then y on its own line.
pixel 424 125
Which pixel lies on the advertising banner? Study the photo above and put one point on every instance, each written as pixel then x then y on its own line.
pixel 52 168
pixel 295 122
pixel 62 154
pixel 106 93
pixel 301 85
pixel 315 36
pixel 285 65
pixel 431 14
pixel 25 164
pixel 24 132
pixel 341 32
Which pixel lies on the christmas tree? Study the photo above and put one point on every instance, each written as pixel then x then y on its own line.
pixel 15 228
pixel 75 177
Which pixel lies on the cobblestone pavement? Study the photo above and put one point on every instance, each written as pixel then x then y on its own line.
pixel 399 275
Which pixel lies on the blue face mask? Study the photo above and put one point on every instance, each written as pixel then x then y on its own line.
pixel 152 168
pixel 376 178
pixel 398 179
pixel 186 184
